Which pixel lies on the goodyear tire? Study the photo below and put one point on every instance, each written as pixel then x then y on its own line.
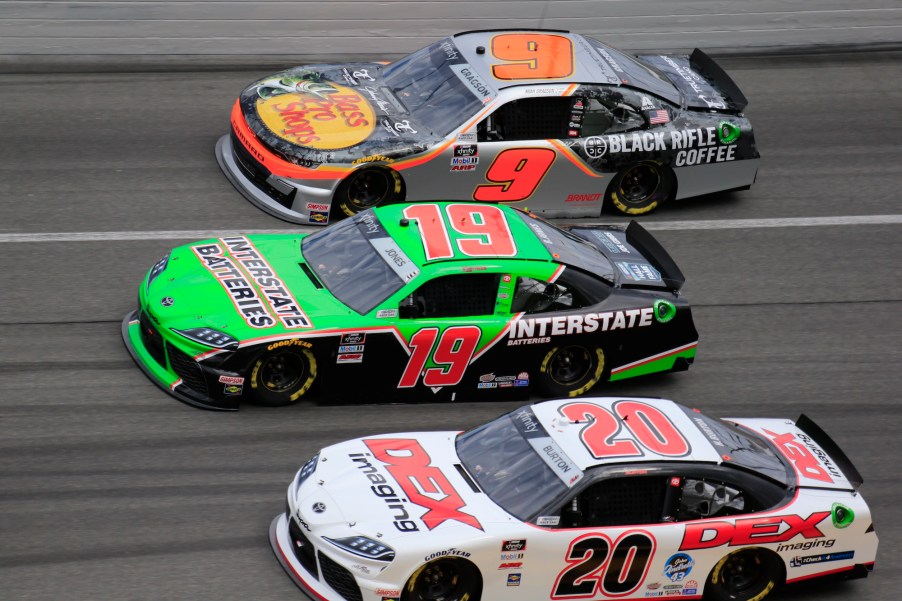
pixel 745 575
pixel 282 376
pixel 571 370
pixel 368 188
pixel 640 188
pixel 446 579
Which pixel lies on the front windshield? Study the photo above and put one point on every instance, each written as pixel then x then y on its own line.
pixel 426 82
pixel 358 262
pixel 508 467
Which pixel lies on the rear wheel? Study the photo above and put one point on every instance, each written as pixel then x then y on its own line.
pixel 745 575
pixel 571 370
pixel 640 188
pixel 444 580
pixel 283 376
pixel 368 188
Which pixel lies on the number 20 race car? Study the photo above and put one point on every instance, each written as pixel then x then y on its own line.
pixel 419 301
pixel 593 498
pixel 549 120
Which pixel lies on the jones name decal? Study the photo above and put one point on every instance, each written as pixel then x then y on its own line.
pixel 537 330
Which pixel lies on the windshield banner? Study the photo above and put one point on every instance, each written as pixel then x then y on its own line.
pixel 553 456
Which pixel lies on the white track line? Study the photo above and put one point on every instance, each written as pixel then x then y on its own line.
pixel 711 224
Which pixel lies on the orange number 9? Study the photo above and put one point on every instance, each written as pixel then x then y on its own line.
pixel 532 56
pixel 517 173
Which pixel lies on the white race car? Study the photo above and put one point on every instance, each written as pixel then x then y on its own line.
pixel 590 498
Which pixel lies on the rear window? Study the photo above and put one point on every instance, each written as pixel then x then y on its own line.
pixel 569 249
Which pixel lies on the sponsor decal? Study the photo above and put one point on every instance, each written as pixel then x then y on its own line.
pixel 639 272
pixel 583 197
pixel 802 561
pixel 464 161
pixel 611 242
pixel 537 330
pixel 678 566
pixel 712 436
pixel 355 348
pixel 353 338
pixel 167 301
pixel 469 77
pixel 694 80
pixel 274 291
pixel 375 158
pixel 404 127
pixel 325 119
pixel 232 389
pixel 423 483
pixel 381 488
pixel 303 524
pixel 350 358
pixel 595 147
pixel 392 598
pixel 386 313
pixel 244 296
pixel 318 217
pixel 375 97
pixel 510 565
pixel 388 126
pixel 728 132
pixel 511 556
pixel 808 458
pixel 346 75
pixel 318 507
pixel 362 74
pixel 317 206
pixel 459 168
pixel 465 150
pixel 390 592
pixel 607 56
pixel 548 520
pixel 518 544
pixel 664 312
pixel 573 133
pixel 487 385
pixel 544 91
pixel 755 531
pixel 467 137
pixel 231 380
pixel 450 49
pixel 486 377
pixel 805 546
pixel 653 586
pixel 842 516
pixel 647 104
pixel 292 342
pixel 514 579
pixel 452 552
pixel 548 450
pixel 361 568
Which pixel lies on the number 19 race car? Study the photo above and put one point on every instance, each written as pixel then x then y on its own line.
pixel 442 301
pixel 549 120
pixel 593 498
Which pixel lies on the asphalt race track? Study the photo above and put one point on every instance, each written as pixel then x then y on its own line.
pixel 110 489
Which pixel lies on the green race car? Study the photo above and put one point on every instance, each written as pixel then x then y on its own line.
pixel 445 301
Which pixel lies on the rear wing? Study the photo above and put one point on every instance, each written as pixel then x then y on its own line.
pixel 807 425
pixel 649 246
pixel 705 65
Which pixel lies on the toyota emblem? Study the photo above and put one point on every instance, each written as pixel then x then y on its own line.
pixel 167 301
pixel 318 507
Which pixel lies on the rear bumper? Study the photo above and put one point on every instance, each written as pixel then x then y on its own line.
pixel 280 197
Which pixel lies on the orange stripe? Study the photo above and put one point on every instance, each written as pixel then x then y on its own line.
pixel 564 150
pixel 400 165
pixel 276 164
pixel 570 89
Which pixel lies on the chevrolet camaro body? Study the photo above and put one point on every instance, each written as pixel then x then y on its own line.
pixel 432 300
pixel 590 498
pixel 548 120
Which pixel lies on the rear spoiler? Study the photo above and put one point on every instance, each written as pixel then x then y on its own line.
pixel 705 65
pixel 842 461
pixel 645 243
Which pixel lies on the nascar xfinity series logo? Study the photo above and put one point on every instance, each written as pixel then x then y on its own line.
pixel 254 286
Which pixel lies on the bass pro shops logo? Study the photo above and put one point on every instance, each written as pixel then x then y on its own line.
pixel 424 484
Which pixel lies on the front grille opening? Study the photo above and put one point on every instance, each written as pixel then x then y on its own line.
pixel 302 548
pixel 187 369
pixel 339 579
pixel 258 174
pixel 152 339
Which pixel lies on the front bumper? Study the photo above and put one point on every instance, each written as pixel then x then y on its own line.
pixel 286 199
pixel 151 363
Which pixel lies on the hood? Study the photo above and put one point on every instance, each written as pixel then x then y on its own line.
pixel 703 83
pixel 332 114
pixel 816 459
pixel 639 259
pixel 247 286
pixel 397 486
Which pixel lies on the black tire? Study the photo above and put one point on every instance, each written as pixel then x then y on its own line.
pixel 282 376
pixel 444 580
pixel 745 575
pixel 640 188
pixel 571 370
pixel 368 188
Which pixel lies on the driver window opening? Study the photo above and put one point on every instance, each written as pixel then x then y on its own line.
pixel 461 295
pixel 536 296
pixel 527 119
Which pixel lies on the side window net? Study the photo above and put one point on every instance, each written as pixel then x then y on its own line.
pixel 464 295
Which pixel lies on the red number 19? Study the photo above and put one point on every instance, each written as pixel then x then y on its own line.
pixel 486 227
pixel 452 355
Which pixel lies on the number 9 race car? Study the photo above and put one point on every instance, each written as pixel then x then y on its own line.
pixel 549 120
pixel 593 498
pixel 434 300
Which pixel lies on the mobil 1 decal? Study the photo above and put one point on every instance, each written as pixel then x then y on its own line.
pixel 686 147
pixel 596 566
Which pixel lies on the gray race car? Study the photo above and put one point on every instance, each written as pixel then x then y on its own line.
pixel 551 121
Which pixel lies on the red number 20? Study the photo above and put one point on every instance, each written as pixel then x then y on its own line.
pixel 452 355
pixel 517 173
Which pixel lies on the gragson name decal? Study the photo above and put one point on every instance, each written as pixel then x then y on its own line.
pixel 423 483
pixel 537 330
pixel 273 291
pixel 752 531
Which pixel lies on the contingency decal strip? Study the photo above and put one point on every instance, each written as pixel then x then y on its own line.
pixel 654 363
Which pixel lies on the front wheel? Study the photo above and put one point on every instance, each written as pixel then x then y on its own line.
pixel 368 188
pixel 745 575
pixel 282 376
pixel 640 188
pixel 444 580
pixel 571 370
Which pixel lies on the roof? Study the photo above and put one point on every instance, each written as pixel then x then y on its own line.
pixel 454 231
pixel 594 431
